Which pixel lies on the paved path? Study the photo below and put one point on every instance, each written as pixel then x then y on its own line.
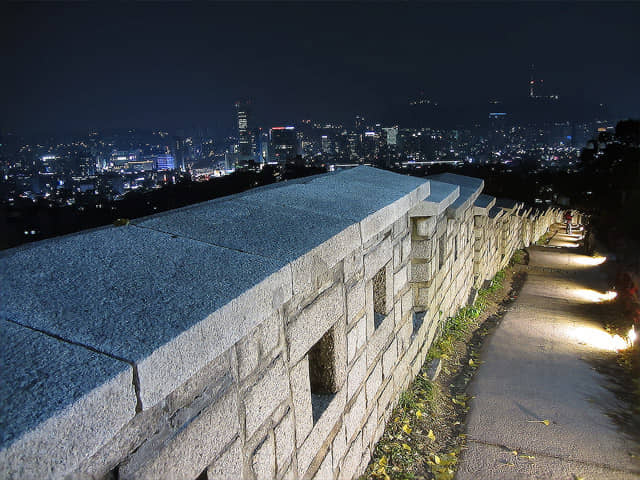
pixel 536 367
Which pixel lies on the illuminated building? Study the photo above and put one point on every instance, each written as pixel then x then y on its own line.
pixel 164 162
pixel 326 145
pixel 391 134
pixel 179 152
pixel 283 144
pixel 120 158
pixel 264 147
pixel 245 138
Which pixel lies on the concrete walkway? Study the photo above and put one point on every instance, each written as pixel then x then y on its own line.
pixel 536 367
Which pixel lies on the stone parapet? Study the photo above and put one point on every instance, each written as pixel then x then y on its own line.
pixel 266 335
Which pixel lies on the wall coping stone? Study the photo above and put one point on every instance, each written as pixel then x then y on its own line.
pixel 470 189
pixel 59 402
pixel 496 212
pixel 508 204
pixel 483 204
pixel 441 196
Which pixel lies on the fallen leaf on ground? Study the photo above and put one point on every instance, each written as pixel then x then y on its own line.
pixel 431 436
pixel 546 422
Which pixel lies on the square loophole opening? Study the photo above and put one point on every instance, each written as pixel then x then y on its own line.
pixel 418 320
pixel 442 251
pixel 379 296
pixel 322 374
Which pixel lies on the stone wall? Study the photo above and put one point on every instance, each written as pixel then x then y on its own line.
pixel 267 335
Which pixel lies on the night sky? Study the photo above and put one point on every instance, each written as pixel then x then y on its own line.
pixel 79 66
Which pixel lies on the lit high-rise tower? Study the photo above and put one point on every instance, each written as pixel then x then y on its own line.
pixel 245 144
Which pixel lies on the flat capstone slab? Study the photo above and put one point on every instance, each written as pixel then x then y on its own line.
pixel 484 201
pixel 441 196
pixel 287 222
pixel 494 212
pixel 252 225
pixel 470 188
pixel 507 203
pixel 47 390
pixel 133 292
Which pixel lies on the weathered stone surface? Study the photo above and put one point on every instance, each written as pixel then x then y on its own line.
pixel 389 358
pixel 373 383
pixel 270 333
pixel 339 446
pixel 354 416
pixel 353 264
pixel 190 450
pixel 314 321
pixel 425 226
pixel 307 267
pixel 406 248
pixel 301 392
pixel 50 388
pixel 377 258
pixel 397 255
pixel 228 464
pixel 440 197
pixel 423 249
pixel 325 470
pixel 285 441
pixel 101 298
pixel 356 338
pixel 264 465
pixel 400 280
pixel 268 393
pixel 356 376
pixel 274 230
pixel 369 429
pixel 248 351
pixel 352 459
pixel 355 300
pixel 320 432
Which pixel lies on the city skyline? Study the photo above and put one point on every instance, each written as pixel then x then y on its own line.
pixel 74 67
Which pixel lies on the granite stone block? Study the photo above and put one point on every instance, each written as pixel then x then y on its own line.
pixel 191 449
pixel 355 300
pixel 263 461
pixel 351 459
pixel 285 441
pixel 339 446
pixel 377 258
pixel 320 432
pixel 356 376
pixel 265 396
pixel 301 393
pixel 314 321
pixel 228 464
pixel 49 388
pixel 325 471
pixel 400 280
pixel 354 417
pixel 356 338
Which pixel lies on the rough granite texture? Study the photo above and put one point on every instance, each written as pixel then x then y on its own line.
pixel 50 388
pixel 470 189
